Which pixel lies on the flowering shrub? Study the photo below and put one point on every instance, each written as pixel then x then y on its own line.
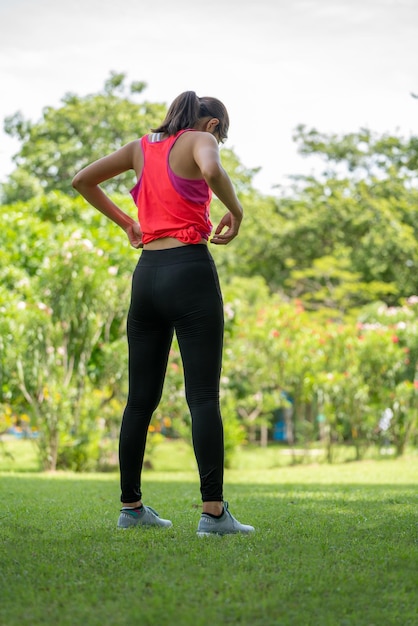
pixel 346 371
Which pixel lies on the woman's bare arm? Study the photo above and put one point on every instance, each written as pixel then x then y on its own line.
pixel 87 183
pixel 206 155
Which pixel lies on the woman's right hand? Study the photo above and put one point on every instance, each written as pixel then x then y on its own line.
pixel 134 235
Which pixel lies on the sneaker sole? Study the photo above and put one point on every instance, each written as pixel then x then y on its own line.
pixel 202 533
pixel 139 525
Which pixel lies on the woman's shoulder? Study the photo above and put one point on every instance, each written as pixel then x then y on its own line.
pixel 193 136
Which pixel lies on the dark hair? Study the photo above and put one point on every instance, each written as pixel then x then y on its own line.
pixel 187 109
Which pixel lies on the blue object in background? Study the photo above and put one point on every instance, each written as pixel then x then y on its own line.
pixel 279 432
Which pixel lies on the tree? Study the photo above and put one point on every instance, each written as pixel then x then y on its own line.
pixel 366 154
pixel 350 234
pixel 295 284
pixel 82 130
pixel 342 238
pixel 64 365
pixel 66 311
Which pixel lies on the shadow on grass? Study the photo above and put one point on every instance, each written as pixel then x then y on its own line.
pixel 267 503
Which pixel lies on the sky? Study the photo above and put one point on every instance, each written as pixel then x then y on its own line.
pixel 333 65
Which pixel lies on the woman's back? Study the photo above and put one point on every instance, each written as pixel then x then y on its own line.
pixel 171 204
pixel 181 158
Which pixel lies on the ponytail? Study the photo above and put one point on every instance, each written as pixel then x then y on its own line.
pixel 183 113
pixel 187 109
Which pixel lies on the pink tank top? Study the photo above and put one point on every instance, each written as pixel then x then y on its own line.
pixel 169 205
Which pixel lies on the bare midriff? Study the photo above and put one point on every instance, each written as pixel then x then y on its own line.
pixel 168 242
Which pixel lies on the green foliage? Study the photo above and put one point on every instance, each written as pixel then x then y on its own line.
pixel 344 238
pixel 360 215
pixel 346 243
pixel 256 252
pixel 365 152
pixel 345 371
pixel 82 130
pixel 318 290
pixel 68 308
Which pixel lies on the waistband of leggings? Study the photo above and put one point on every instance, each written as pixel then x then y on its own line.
pixel 170 256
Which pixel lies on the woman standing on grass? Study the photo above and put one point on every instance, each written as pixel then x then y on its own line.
pixel 175 288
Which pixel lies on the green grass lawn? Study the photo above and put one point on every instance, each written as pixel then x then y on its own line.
pixel 334 545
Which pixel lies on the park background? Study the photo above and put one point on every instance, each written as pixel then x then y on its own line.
pixel 320 288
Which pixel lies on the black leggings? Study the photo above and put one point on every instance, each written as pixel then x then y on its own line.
pixel 176 289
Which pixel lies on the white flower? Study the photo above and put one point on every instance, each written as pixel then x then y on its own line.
pixel 44 307
pixel 23 282
pixel 229 311
pixel 87 244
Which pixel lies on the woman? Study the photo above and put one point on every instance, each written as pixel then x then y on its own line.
pixel 175 287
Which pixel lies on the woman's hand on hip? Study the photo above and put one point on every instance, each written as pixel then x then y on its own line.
pixel 134 235
pixel 232 224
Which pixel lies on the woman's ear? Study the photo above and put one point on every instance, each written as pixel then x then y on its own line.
pixel 212 125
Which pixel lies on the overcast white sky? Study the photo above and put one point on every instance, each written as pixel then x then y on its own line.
pixel 337 65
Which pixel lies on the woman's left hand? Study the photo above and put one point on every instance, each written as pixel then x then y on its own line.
pixel 232 224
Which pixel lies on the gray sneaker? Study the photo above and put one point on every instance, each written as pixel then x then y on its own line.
pixel 146 516
pixel 225 525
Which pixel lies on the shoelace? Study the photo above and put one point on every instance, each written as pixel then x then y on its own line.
pixel 152 510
